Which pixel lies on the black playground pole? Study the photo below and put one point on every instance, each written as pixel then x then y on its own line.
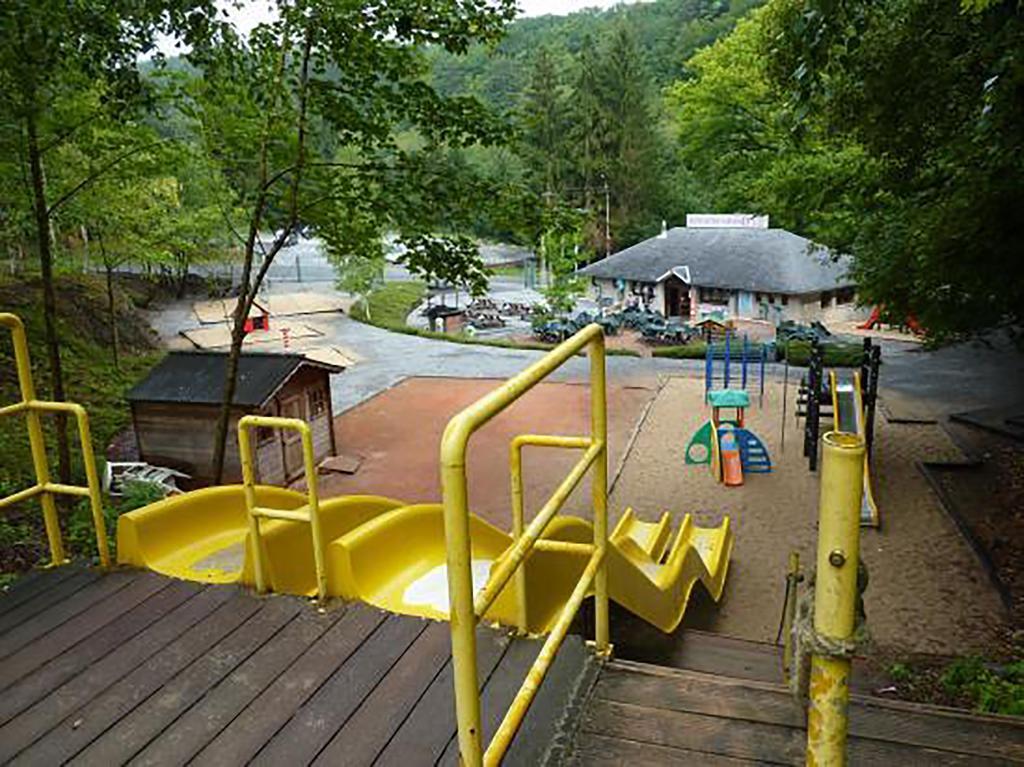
pixel 869 419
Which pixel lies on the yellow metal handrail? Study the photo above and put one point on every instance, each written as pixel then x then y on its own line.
pixel 467 608
pixel 309 513
pixel 44 487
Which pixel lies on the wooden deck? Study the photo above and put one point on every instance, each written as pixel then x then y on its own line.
pixel 134 667
pixel 639 714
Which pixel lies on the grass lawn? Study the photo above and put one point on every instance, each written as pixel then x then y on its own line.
pixel 390 304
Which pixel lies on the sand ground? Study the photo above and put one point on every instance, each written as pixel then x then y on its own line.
pixel 927 591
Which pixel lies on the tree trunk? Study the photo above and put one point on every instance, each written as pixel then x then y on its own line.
pixel 108 267
pixel 45 242
pixel 182 262
pixel 247 293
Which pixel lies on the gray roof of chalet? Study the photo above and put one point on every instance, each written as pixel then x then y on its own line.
pixel 197 378
pixel 764 260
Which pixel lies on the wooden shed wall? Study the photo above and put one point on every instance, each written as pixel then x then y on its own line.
pixel 182 436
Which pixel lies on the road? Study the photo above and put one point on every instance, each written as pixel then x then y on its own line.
pixel 960 377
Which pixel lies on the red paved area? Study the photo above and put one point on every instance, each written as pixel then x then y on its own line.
pixel 398 435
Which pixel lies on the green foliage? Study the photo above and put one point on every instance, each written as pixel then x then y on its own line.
pixel 834 354
pixel 583 90
pixel 452 260
pixel 691 351
pixel 560 247
pixel 93 380
pixel 900 673
pixel 743 146
pixel 932 95
pixel 991 688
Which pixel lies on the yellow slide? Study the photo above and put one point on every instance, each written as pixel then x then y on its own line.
pixel 391 555
pixel 848 416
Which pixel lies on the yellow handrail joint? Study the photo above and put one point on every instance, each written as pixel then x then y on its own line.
pixel 466 610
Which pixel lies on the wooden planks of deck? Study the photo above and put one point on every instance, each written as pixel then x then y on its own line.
pixel 639 714
pixel 131 667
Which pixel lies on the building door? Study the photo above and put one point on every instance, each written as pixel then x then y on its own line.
pixel 677 298
pixel 291 441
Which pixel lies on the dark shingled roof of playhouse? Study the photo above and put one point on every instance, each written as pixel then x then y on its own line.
pixel 197 377
pixel 765 260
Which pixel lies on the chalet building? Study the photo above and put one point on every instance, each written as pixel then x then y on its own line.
pixel 732 265
pixel 175 409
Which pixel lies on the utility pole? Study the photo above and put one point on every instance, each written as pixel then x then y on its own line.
pixel 607 219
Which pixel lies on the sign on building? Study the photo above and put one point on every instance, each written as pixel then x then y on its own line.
pixel 725 221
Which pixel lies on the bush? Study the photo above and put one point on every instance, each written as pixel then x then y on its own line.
pixel 834 354
pixel 991 688
pixel 691 351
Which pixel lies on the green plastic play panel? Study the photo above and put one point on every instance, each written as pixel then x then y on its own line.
pixel 729 398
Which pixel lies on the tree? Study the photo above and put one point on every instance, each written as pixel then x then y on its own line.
pixel 52 52
pixel 631 148
pixel 932 93
pixel 451 260
pixel 743 149
pixel 560 242
pixel 544 122
pixel 585 123
pixel 307 108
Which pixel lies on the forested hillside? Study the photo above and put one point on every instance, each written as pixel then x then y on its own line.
pixel 584 97
pixel 668 32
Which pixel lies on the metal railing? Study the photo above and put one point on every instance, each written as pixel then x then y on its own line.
pixel 466 608
pixel 310 513
pixel 44 487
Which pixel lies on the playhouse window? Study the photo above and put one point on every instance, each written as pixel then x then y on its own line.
pixel 317 402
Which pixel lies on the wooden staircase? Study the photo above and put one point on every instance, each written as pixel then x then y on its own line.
pixel 642 714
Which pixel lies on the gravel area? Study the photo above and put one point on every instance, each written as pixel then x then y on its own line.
pixel 928 592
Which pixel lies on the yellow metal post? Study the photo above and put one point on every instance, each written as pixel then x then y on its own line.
pixel 835 597
pixel 249 489
pixel 461 612
pixel 35 435
pixel 515 465
pixel 313 503
pixel 599 491
pixel 464 610
pixel 309 513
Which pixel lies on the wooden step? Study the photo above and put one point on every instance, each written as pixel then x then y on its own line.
pixel 644 714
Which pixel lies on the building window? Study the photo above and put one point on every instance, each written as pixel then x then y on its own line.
pixel 826 299
pixel 785 300
pixel 714 296
pixel 317 402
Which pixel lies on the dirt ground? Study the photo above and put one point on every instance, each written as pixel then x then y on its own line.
pixel 398 436
pixel 928 593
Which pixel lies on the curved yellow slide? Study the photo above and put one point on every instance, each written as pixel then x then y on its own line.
pixel 393 555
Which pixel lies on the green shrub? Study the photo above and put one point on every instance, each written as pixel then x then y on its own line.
pixel 690 351
pixel 900 673
pixel 992 689
pixel 834 354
